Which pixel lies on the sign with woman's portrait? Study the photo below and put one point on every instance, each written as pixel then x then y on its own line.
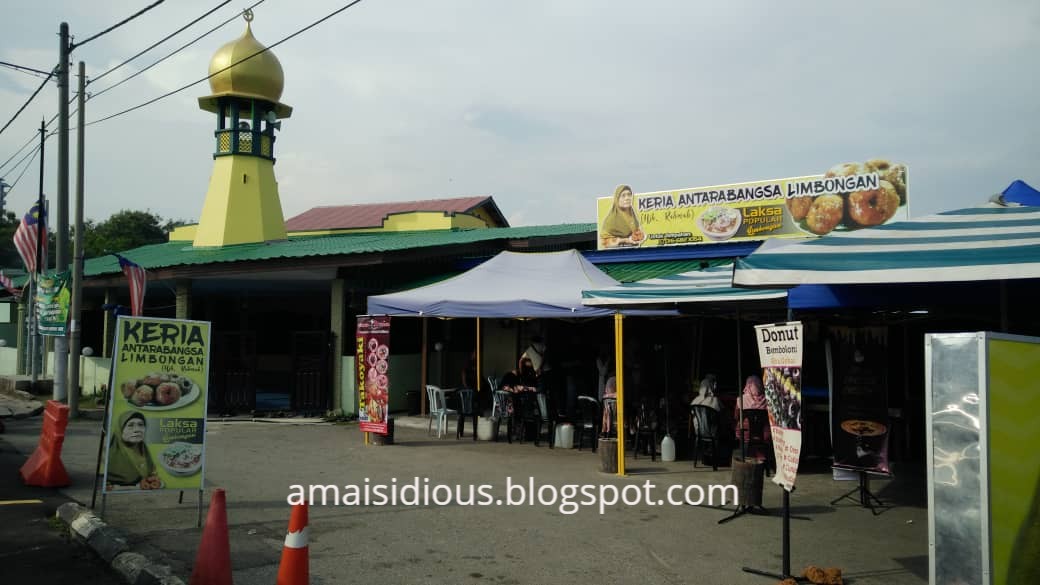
pixel 156 430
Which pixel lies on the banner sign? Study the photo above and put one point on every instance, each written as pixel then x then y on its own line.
pixel 859 407
pixel 847 197
pixel 156 429
pixel 780 353
pixel 52 303
pixel 373 372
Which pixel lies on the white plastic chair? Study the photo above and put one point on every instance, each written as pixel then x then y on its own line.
pixel 438 409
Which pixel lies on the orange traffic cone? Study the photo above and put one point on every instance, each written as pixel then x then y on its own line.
pixel 294 569
pixel 213 562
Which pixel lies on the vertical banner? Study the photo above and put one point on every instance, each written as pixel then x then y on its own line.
pixel 780 353
pixel 52 303
pixel 156 430
pixel 373 372
pixel 859 408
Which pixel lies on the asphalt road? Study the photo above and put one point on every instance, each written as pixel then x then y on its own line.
pixel 34 546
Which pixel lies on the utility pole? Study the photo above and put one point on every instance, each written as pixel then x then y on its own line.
pixel 77 253
pixel 61 257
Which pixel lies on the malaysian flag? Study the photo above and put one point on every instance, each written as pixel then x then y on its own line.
pixel 28 233
pixel 5 281
pixel 138 279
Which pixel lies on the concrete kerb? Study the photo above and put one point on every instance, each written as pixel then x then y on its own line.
pixel 110 544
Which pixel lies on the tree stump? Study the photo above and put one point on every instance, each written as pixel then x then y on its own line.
pixel 608 455
pixel 387 439
pixel 748 476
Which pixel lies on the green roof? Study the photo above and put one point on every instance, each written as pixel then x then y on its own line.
pixel 633 271
pixel 170 254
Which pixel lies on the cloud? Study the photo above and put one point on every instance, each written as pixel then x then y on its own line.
pixel 546 105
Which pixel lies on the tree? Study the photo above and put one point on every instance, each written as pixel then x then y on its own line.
pixel 125 230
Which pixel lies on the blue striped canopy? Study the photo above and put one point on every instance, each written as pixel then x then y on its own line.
pixel 712 284
pixel 992 242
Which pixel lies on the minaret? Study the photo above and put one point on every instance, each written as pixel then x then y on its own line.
pixel 242 204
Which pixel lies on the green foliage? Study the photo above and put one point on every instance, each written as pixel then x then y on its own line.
pixel 125 230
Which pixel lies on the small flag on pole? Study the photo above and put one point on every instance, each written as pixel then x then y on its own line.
pixel 5 281
pixel 28 234
pixel 138 280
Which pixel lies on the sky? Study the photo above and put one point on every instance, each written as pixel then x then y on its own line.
pixel 544 105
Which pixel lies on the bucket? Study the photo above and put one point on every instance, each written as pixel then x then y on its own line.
pixel 565 436
pixel 485 429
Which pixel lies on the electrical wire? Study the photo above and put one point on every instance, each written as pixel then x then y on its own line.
pixel 117 25
pixel 23 69
pixel 180 89
pixel 163 40
pixel 31 98
pixel 178 50
pixel 34 152
pixel 17 152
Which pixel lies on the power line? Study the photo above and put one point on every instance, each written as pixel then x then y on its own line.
pixel 17 152
pixel 51 74
pixel 178 90
pixel 34 152
pixel 181 48
pixel 31 139
pixel 162 40
pixel 117 25
pixel 24 69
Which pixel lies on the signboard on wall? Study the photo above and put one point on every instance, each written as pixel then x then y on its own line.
pixel 372 368
pixel 156 430
pixel 780 350
pixel 847 197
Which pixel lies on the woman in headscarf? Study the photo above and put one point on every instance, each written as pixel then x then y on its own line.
pixel 128 460
pixel 621 225
pixel 753 398
pixel 706 394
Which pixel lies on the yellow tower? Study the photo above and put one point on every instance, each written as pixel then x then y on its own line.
pixel 242 204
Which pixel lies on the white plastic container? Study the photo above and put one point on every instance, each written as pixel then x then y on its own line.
pixel 565 436
pixel 667 448
pixel 485 429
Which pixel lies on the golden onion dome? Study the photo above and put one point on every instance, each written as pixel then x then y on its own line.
pixel 258 77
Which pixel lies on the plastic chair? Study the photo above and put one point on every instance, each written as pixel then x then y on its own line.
pixel 589 420
pixel 538 413
pixel 646 428
pixel 466 408
pixel 438 409
pixel 705 432
pixel 755 427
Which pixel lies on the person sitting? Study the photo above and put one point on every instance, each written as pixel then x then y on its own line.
pixel 753 398
pixel 706 394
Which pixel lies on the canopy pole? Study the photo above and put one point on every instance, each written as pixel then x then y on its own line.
pixel 1003 306
pixel 740 395
pixel 422 391
pixel 619 380
pixel 476 389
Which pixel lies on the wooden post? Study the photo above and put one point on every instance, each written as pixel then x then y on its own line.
pixel 608 455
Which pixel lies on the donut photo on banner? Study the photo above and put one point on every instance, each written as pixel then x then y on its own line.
pixel 822 214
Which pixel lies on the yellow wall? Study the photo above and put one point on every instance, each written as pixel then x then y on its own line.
pixel 407 222
pixel 411 221
pixel 242 204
